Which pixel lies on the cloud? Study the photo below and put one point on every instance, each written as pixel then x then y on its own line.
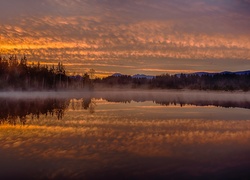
pixel 127 31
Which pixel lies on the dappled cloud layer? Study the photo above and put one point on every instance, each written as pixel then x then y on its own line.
pixel 157 36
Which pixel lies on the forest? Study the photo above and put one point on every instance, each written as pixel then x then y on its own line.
pixel 18 74
pixel 217 81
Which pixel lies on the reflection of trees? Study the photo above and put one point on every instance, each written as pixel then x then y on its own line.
pixel 88 103
pixel 225 104
pixel 14 110
pixel 177 101
pixel 83 103
pixel 92 106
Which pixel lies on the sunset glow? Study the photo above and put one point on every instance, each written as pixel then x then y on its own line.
pixel 130 37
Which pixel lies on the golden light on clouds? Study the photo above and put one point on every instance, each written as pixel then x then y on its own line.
pixel 127 34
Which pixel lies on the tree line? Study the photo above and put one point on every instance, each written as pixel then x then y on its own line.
pixel 218 81
pixel 18 74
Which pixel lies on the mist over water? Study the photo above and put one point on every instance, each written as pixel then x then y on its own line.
pixel 124 134
pixel 136 94
pixel 165 97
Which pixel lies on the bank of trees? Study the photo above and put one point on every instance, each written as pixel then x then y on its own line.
pixel 18 74
pixel 219 81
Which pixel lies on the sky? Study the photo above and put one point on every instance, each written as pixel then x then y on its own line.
pixel 129 36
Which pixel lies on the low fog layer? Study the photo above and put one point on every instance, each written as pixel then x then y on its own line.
pixel 136 95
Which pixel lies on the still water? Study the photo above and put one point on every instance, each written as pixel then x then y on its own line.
pixel 125 135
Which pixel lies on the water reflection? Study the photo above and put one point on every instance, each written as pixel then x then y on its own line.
pixel 178 149
pixel 14 111
pixel 126 136
pixel 220 99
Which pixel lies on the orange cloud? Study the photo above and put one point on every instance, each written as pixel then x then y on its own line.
pixel 175 31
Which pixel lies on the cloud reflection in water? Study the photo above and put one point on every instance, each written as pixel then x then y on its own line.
pixel 117 139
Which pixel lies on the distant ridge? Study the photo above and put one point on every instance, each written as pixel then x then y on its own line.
pixel 142 76
pixel 242 72
pixel 212 74
pixel 217 81
pixel 117 75
pixel 138 76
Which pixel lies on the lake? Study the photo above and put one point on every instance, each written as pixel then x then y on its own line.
pixel 125 135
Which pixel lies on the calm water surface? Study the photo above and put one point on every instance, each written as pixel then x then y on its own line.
pixel 125 135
